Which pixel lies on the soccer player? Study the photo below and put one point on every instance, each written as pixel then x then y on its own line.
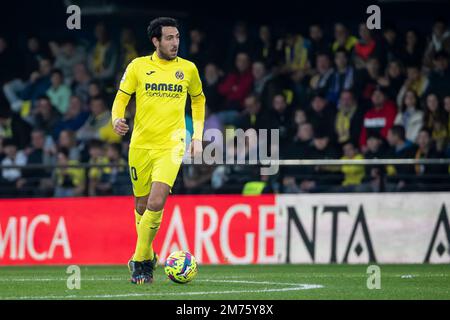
pixel 161 83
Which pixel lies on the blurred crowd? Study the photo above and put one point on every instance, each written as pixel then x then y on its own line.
pixel 341 94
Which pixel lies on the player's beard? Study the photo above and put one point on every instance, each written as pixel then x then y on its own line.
pixel 167 55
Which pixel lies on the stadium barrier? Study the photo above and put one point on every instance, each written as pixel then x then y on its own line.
pixel 232 229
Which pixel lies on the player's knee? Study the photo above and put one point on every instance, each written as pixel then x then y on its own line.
pixel 155 203
pixel 140 208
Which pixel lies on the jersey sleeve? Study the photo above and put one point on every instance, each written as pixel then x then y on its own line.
pixel 195 85
pixel 128 83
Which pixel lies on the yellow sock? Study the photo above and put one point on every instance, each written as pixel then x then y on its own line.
pixel 137 219
pixel 148 227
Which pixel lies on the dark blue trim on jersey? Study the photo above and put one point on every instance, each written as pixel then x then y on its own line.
pixel 197 94
pixel 125 92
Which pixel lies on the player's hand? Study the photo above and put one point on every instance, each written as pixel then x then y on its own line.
pixel 196 148
pixel 120 126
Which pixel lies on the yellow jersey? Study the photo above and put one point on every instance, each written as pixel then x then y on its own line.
pixel 161 88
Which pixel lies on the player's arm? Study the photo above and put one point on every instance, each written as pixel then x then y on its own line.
pixel 198 101
pixel 126 89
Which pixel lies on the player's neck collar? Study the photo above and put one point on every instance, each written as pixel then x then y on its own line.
pixel 156 58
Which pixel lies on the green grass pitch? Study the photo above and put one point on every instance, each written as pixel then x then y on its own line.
pixel 232 283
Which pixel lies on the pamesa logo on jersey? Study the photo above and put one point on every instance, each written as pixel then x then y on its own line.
pixel 165 90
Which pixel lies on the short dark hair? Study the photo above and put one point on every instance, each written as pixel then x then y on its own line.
pixel 341 50
pixel 427 130
pixel 96 143
pixel 9 142
pixel 399 131
pixel 99 98
pixel 154 29
pixel 64 151
pixel 57 71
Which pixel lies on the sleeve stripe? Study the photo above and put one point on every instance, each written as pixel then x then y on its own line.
pixel 197 94
pixel 125 92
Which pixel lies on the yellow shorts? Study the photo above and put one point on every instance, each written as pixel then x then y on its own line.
pixel 151 165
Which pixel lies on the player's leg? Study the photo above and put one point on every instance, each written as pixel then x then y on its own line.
pixel 165 168
pixel 149 226
pixel 140 204
pixel 140 169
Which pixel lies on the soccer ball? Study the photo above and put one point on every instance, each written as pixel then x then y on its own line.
pixel 181 267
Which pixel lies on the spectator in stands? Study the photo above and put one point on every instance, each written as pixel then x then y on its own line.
pixel 439 77
pixel 427 150
pixel 81 81
pixel 375 179
pixel 254 116
pixel 440 134
pixel 10 177
pixel 70 181
pixel 128 49
pixel 103 57
pixel 96 157
pixel 114 180
pixel 409 115
pixel 73 118
pixel 322 77
pixel 349 119
pixel 235 87
pixel 281 118
pixel 34 53
pixel 322 115
pixel 31 182
pixel 390 44
pixel 367 79
pixel 438 42
pixel 379 118
pixel 294 50
pixel 59 93
pixel 343 77
pixel 95 89
pixel 343 39
pixel 321 178
pixel 393 79
pixel 353 173
pixel 416 81
pixel 22 95
pixel 265 47
pixel 98 125
pixel 67 140
pixel 197 178
pixel 413 49
pixel 12 126
pixel 198 50
pixel 231 178
pixel 435 120
pixel 318 43
pixel 260 78
pixel 211 80
pixel 241 43
pixel 44 116
pixel 300 117
pixel 366 47
pixel 299 147
pixel 401 149
pixel 433 111
pixel 67 55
